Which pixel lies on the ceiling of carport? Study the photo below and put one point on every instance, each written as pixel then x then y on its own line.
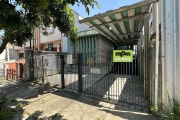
pixel 121 26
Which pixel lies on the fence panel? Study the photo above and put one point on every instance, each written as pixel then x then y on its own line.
pixel 47 66
pixel 118 82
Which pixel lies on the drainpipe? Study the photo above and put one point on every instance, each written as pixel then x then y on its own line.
pixel 157 54
pixel 163 15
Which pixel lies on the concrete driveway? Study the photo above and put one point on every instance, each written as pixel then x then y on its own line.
pixel 52 103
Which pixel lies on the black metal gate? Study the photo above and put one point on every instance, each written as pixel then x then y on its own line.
pixel 118 82
pixel 94 75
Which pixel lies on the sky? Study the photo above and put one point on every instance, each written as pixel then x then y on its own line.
pixel 105 5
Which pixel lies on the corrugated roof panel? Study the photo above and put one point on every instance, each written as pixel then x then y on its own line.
pixel 123 29
pixel 110 34
pixel 114 28
pixel 136 24
pixel 111 25
pixel 137 10
pixel 126 23
pixel 122 24
pixel 118 28
pixel 124 14
pixel 112 17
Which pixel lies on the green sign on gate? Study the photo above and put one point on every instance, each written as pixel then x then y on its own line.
pixel 122 55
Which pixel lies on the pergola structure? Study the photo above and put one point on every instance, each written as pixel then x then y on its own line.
pixel 122 26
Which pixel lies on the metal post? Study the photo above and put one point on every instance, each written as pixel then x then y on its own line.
pixel 80 72
pixel 33 39
pixel 30 44
pixel 109 81
pixel 17 71
pixel 157 54
pixel 7 48
pixel 7 74
pixel 62 71
pixel 146 41
pixel 42 71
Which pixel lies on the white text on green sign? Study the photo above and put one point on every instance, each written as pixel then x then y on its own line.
pixel 122 56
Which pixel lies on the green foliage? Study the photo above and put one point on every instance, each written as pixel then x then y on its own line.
pixel 19 105
pixel 3 99
pixel 18 18
pixel 172 111
pixel 5 113
pixel 154 110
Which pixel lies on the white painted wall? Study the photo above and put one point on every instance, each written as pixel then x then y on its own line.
pixel 170 33
pixel 3 56
pixel 64 44
pixel 56 35
pixel 81 27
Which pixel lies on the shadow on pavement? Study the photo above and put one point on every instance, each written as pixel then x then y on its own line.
pixel 46 101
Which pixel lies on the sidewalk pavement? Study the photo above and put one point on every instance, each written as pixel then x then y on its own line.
pixel 51 103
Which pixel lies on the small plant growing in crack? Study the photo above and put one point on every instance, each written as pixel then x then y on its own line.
pixel 19 105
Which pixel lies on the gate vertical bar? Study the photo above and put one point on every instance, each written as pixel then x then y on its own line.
pixel 80 73
pixel 62 71
pixel 108 82
pixel 42 70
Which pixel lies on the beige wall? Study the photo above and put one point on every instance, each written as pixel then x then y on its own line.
pixel 104 46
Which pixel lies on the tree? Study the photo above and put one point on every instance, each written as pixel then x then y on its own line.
pixel 18 18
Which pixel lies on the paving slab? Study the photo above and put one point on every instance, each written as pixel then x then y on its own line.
pixel 46 101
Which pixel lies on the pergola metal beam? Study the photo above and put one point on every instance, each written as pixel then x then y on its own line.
pixel 121 9
pixel 131 40
pixel 127 33
pixel 134 17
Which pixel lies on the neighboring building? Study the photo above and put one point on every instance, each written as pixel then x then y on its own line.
pixel 5 57
pixel 94 45
pixel 54 41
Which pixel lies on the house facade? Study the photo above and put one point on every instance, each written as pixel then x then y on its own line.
pixel 54 41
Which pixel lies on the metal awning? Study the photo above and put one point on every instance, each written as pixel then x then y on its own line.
pixel 121 26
